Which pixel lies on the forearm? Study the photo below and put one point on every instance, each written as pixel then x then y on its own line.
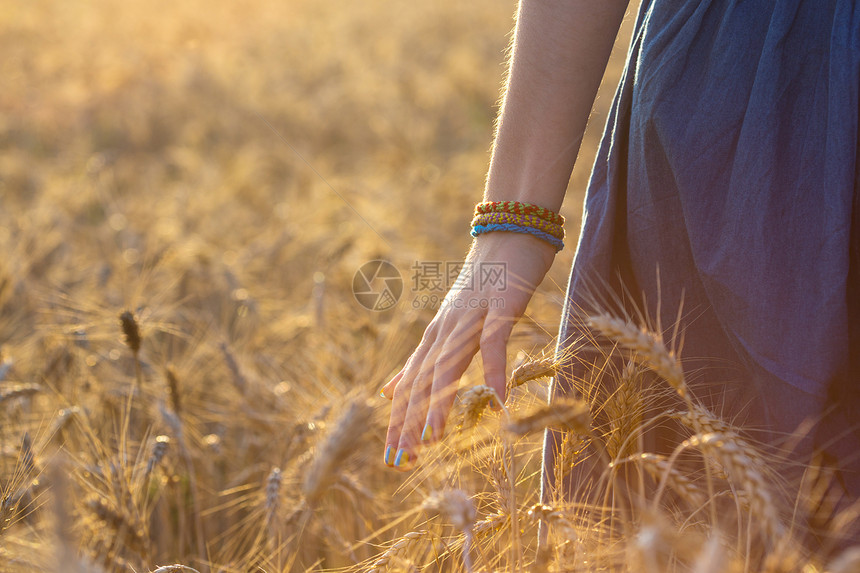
pixel 560 52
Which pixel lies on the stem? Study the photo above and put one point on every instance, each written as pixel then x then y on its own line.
pixel 508 462
pixel 467 546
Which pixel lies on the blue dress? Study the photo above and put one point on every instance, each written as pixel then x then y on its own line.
pixel 727 178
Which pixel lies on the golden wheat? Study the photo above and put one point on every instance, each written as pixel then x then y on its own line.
pixel 532 370
pixel 383 562
pixel 563 414
pixel 648 347
pixel 661 470
pixel 338 445
pixel 474 401
pixel 745 472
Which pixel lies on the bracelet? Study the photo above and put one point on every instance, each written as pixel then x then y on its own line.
pixel 519 218
pixel 523 220
pixel 554 241
pixel 520 209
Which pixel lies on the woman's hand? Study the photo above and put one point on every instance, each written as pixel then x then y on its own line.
pixel 559 52
pixel 471 317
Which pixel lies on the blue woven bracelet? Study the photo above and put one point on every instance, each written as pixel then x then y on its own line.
pixel 555 242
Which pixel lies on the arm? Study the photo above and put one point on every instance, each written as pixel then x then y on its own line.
pixel 560 51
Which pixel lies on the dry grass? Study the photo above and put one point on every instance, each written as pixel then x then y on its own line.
pixel 186 381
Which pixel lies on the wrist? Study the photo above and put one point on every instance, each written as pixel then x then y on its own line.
pixel 490 245
pixel 519 218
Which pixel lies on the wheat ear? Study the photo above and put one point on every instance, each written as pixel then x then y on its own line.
pixel 384 560
pixel 337 446
pixel 648 348
pixel 732 454
pixel 474 401
pixel 564 414
pixel 624 408
pixel 460 512
pixel 659 468
pixel 12 391
pixel 532 370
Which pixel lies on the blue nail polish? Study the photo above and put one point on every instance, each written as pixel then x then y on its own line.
pixel 388 455
pixel 427 434
pixel 402 458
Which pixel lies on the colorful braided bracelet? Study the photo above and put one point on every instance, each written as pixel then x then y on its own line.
pixel 481 229
pixel 519 208
pixel 519 218
pixel 523 220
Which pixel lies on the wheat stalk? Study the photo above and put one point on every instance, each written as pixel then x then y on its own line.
pixel 131 331
pixel 549 515
pixel 337 447
pixel 272 506
pixel 554 518
pixel 573 446
pixel 502 485
pixel 659 468
pixel 624 408
pixel 133 339
pixel 473 402
pixel 648 348
pixel 159 448
pixel 532 370
pixel 453 504
pixel 273 497
pixel 702 421
pixel 239 379
pixel 12 391
pixel 350 483
pixel 564 414
pixel 173 390
pixel 63 418
pixel 26 457
pixel 742 468
pixel 460 511
pixel 384 560
pixel 492 522
pixel 128 529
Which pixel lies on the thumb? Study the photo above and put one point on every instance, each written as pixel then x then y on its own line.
pixel 494 345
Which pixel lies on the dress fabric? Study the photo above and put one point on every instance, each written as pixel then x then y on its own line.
pixel 727 178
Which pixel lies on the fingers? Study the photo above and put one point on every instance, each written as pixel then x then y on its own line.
pixel 394 455
pixel 431 379
pixel 410 429
pixel 494 345
pixel 423 392
pixel 388 390
pixel 413 362
pixel 446 376
pixel 400 394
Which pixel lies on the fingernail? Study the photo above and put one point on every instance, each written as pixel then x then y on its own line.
pixel 388 451
pixel 402 458
pixel 427 434
pixel 494 404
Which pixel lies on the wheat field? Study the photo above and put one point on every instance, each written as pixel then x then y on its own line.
pixel 187 382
